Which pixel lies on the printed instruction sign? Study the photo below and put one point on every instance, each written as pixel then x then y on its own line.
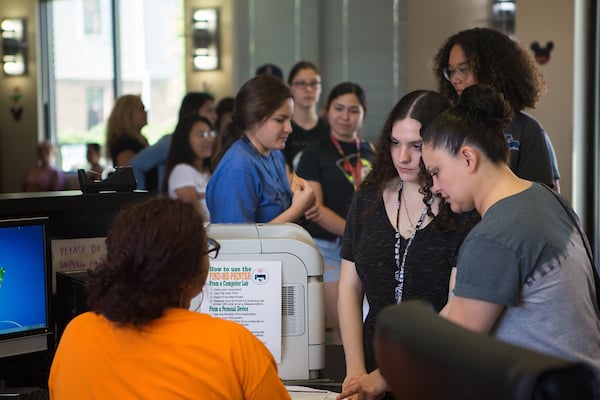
pixel 76 255
pixel 249 293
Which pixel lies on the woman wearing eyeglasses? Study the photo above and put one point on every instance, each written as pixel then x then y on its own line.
pixel 308 127
pixel 486 56
pixel 154 157
pixel 189 161
pixel 140 340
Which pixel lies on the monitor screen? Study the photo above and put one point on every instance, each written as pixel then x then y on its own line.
pixel 23 286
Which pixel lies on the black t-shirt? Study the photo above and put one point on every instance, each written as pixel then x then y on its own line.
pixel 369 241
pixel 125 143
pixel 132 144
pixel 301 139
pixel 321 162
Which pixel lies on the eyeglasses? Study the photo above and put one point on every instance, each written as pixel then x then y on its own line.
pixel 304 85
pixel 461 73
pixel 213 248
pixel 206 134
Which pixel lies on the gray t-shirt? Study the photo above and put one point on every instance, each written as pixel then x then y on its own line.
pixel 528 255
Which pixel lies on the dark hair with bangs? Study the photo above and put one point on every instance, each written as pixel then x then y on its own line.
pixel 479 119
pixel 154 249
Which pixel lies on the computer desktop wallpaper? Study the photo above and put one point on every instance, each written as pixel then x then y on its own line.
pixel 22 279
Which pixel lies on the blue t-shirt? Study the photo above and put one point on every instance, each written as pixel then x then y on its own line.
pixel 248 187
pixel 151 157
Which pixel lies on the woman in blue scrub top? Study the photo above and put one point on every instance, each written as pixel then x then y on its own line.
pixel 250 183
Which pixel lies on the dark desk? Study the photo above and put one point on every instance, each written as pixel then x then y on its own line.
pixel 71 215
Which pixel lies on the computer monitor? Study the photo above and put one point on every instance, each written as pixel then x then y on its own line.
pixel 24 293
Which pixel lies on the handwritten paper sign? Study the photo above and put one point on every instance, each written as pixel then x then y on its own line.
pixel 76 255
pixel 249 293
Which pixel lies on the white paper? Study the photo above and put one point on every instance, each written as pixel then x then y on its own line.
pixel 76 255
pixel 249 293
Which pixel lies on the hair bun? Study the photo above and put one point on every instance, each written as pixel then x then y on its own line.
pixel 482 104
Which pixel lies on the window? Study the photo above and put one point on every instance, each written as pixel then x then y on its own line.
pixel 95 55
pixel 92 21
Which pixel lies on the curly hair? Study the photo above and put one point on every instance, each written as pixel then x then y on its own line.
pixel 495 60
pixel 479 119
pixel 154 250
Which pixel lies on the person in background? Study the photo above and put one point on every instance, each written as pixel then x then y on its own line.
pixel 154 157
pixel 224 138
pixel 140 340
pixel 269 69
pixel 250 183
pixel 44 176
pixel 334 167
pixel 224 111
pixel 489 57
pixel 400 240
pixel 188 164
pixel 308 127
pixel 92 156
pixel 124 137
pixel 525 273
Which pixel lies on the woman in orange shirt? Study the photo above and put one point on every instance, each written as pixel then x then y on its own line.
pixel 140 340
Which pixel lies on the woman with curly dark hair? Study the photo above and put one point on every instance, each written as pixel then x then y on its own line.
pixel 489 57
pixel 140 340
pixel 400 240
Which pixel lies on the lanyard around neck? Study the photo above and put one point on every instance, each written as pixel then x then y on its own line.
pixel 279 185
pixel 400 263
pixel 356 171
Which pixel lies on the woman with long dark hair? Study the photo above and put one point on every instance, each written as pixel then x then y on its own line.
pixel 400 240
pixel 250 183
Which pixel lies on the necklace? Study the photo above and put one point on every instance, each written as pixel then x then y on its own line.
pixel 412 225
pixel 401 262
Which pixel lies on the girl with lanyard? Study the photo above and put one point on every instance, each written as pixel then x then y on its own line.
pixel 250 183
pixel 400 239
pixel 334 167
